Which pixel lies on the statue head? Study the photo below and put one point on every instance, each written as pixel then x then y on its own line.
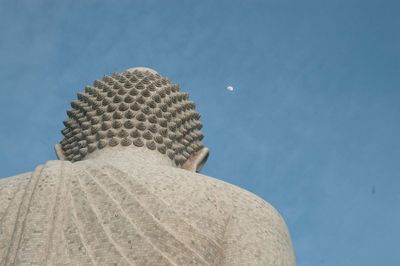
pixel 134 108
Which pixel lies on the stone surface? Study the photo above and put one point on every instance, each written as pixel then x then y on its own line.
pixel 136 107
pixel 134 205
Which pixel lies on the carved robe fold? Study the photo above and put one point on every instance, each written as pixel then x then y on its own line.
pixel 94 213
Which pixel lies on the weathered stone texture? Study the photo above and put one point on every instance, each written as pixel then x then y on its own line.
pixel 105 213
pixel 132 204
pixel 135 107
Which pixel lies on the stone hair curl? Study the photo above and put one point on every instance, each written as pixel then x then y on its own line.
pixel 135 107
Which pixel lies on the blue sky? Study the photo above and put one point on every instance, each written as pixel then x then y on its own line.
pixel 312 126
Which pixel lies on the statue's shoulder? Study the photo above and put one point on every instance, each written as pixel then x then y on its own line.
pixel 12 186
pixel 178 185
pixel 252 225
pixel 17 180
pixel 256 231
pixel 13 180
pixel 236 196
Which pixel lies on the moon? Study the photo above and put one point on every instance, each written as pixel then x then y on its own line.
pixel 229 88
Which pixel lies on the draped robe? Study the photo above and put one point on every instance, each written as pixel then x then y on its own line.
pixel 94 212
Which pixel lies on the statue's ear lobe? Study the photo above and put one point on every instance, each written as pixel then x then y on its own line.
pixel 197 160
pixel 59 152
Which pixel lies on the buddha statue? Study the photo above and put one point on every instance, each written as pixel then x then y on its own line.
pixel 126 189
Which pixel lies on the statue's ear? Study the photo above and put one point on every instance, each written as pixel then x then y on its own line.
pixel 59 152
pixel 197 160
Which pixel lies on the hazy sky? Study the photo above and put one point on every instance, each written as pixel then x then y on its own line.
pixel 312 125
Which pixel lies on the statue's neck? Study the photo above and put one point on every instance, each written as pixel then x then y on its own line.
pixel 122 156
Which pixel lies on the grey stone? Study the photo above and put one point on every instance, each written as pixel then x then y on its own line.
pixel 126 190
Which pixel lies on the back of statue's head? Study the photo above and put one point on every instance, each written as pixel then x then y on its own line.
pixel 136 108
